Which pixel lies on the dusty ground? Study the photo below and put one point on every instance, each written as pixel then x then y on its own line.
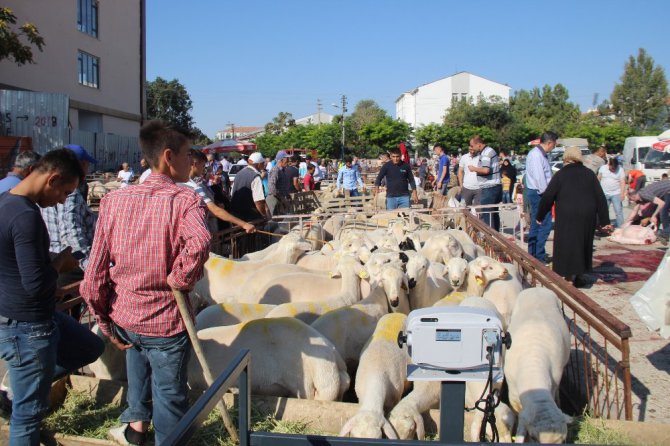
pixel 619 271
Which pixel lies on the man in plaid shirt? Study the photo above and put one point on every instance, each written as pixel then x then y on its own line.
pixel 150 239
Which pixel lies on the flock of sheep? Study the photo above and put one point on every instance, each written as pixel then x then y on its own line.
pixel 316 315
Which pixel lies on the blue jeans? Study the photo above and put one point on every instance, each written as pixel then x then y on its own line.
pixel 615 201
pixel 354 193
pixel 36 354
pixel 444 189
pixel 506 197
pixel 538 234
pixel 491 216
pixel 156 380
pixel 397 202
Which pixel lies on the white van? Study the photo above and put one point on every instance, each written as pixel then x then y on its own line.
pixel 638 154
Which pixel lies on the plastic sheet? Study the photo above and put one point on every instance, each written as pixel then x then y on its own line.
pixel 652 301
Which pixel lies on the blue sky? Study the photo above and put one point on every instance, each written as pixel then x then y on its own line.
pixel 245 61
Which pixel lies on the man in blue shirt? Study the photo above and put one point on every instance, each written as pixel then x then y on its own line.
pixel 538 175
pixel 23 165
pixel 348 177
pixel 441 182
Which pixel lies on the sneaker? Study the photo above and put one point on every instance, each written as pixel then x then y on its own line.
pixel 126 435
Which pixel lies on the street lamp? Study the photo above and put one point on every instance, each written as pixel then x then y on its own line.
pixel 342 107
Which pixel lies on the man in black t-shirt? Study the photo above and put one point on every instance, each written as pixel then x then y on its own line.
pixel 399 180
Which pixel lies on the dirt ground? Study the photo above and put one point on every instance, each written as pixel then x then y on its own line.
pixel 619 271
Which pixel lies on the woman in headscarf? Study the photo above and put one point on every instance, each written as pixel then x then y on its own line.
pixel 579 201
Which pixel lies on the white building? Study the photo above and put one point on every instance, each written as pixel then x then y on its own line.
pixel 316 118
pixel 429 103
pixel 94 53
pixel 239 132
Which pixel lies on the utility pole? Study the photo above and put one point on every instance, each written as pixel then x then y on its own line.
pixel 344 110
pixel 318 111
pixel 231 125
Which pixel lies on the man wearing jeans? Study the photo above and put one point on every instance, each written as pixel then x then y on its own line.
pixel 488 174
pixel 441 182
pixel 613 181
pixel 37 343
pixel 538 175
pixel 150 239
pixel 349 177
pixel 399 180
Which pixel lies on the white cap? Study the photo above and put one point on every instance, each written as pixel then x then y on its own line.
pixel 256 158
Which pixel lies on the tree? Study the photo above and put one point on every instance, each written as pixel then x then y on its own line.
pixel 326 139
pixel 199 138
pixel 366 112
pixel 11 46
pixel 280 123
pixel 385 134
pixel 638 100
pixel 170 102
pixel 544 109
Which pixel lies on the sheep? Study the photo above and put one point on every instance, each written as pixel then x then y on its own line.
pixel 361 319
pixel 534 365
pixel 503 292
pixel 263 275
pixel 426 281
pixel 395 283
pixel 441 248
pixel 482 271
pixel 351 272
pixel 471 250
pixel 406 416
pixel 380 380
pixel 311 231
pixel 230 314
pixel 290 358
pixel 223 278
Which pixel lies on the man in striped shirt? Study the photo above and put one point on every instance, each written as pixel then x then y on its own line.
pixel 488 174
pixel 150 239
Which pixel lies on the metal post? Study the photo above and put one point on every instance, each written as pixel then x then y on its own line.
pixel 452 397
pixel 245 406
pixel 344 110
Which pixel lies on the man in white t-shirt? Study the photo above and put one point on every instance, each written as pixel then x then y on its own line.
pixel 613 181
pixel 467 179
pixel 125 175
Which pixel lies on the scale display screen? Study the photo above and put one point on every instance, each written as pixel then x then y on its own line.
pixel 448 335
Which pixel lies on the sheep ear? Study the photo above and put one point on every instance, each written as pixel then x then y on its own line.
pixel 420 430
pixel 389 431
pixel 335 274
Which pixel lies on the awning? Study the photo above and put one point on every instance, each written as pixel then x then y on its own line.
pixel 230 146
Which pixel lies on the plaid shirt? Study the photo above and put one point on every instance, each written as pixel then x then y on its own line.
pixel 150 238
pixel 71 224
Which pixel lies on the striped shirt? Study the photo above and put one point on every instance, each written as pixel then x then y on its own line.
pixel 150 238
pixel 489 158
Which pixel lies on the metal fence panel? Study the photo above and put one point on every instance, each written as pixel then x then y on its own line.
pixel 26 113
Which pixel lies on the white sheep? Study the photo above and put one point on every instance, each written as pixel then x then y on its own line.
pixel 230 314
pixel 381 380
pixel 351 272
pixel 426 281
pixel 503 292
pixel 482 271
pixel 441 248
pixel 406 416
pixel 534 365
pixel 290 358
pixel 471 250
pixel 224 278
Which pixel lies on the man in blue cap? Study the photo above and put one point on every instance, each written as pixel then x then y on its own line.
pixel 72 224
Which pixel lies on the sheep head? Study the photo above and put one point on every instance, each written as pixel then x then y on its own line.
pixel 368 424
pixel 395 284
pixel 485 269
pixel 417 269
pixel 406 420
pixel 456 271
pixel 542 422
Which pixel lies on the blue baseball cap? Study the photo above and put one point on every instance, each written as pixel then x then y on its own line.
pixel 281 155
pixel 81 153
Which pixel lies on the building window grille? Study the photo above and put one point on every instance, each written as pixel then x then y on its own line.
pixel 87 17
pixel 89 70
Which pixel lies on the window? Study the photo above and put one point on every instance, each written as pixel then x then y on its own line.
pixel 454 97
pixel 89 70
pixel 87 17
pixel 464 96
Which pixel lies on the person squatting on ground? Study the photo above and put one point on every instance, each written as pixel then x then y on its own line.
pixel 38 343
pixel 129 280
pixel 488 174
pixel 399 180
pixel 538 175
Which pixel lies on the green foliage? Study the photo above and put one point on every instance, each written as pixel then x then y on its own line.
pixel 199 138
pixel 280 123
pixel 545 109
pixel 385 134
pixel 493 113
pixel 326 138
pixel 638 101
pixel 169 101
pixel 11 46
